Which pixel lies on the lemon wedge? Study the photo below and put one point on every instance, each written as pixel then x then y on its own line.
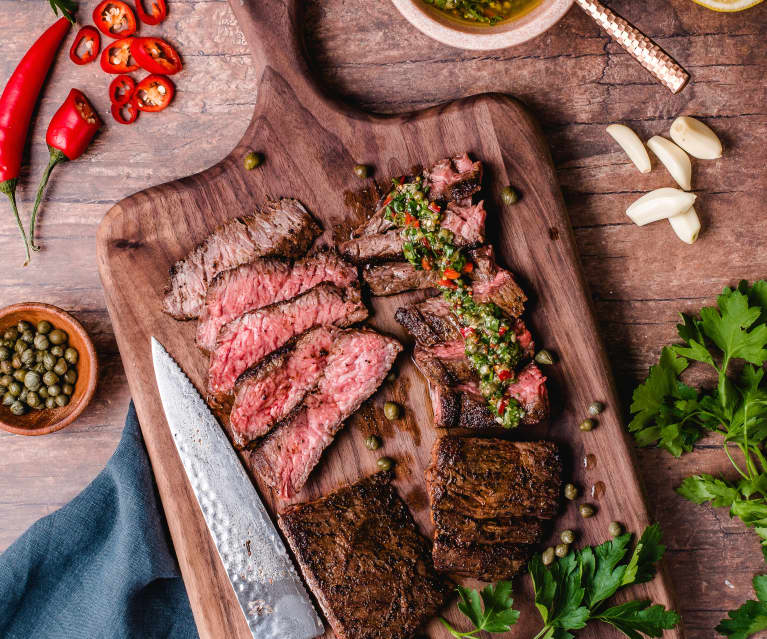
pixel 728 5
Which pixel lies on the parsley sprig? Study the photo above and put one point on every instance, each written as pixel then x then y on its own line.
pixel 751 617
pixel 490 610
pixel 674 416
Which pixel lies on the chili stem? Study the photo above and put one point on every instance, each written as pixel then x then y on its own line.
pixel 56 157
pixel 9 188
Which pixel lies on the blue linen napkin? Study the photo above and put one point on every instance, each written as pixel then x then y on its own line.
pixel 101 566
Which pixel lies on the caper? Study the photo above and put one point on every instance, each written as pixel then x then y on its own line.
pixel 586 510
pixel 23 326
pixel 50 402
pixel 44 327
pixel 385 463
pixel 70 377
pixel 49 361
pixel 20 346
pixel 361 171
pixel 41 342
pixel 11 334
pixel 567 536
pixel 586 425
pixel 32 380
pixel 548 556
pixel 57 337
pixel 71 355
pixel 61 366
pixel 6 380
pixel 39 356
pixel 8 399
pixel 68 389
pixel 23 395
pixel 54 389
pixel 39 368
pixel 57 351
pixel 28 337
pixel 615 529
pixel 18 408
pixel 50 378
pixel 544 357
pixel 372 442
pixel 28 357
pixel 391 411
pixel 19 374
pixel 6 367
pixel 509 196
pixel 33 399
pixel 61 400
pixel 571 492
pixel 43 392
pixel 5 353
pixel 252 160
pixel 14 388
pixel 595 408
pixel 561 550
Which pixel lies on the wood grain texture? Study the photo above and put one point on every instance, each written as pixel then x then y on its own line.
pixel 311 145
pixel 573 78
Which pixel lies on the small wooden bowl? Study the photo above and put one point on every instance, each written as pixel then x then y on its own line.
pixel 42 422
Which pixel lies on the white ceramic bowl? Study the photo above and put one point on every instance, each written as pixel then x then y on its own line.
pixel 441 27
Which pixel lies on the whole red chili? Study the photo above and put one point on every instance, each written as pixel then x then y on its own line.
pixel 154 93
pixel 121 89
pixel 116 57
pixel 130 106
pixel 92 45
pixel 158 14
pixel 156 56
pixel 16 106
pixel 70 132
pixel 115 19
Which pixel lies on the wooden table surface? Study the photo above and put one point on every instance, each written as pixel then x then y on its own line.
pixel 574 79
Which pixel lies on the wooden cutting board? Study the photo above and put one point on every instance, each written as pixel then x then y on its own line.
pixel 311 144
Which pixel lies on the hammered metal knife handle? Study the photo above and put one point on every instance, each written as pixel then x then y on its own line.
pixel 645 51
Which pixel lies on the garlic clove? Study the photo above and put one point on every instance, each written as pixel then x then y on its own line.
pixel 659 205
pixel 686 225
pixel 676 161
pixel 632 145
pixel 696 138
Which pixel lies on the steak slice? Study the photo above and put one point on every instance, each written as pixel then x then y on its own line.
pixel 455 178
pixel 265 281
pixel 269 392
pixel 284 228
pixel 489 499
pixel 245 341
pixel 367 565
pixel 356 366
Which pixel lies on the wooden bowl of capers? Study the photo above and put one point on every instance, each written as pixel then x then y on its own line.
pixel 48 369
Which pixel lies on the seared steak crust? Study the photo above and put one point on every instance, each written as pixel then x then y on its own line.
pixel 455 178
pixel 361 554
pixel 283 228
pixel 481 561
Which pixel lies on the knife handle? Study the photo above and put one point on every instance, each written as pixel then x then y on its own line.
pixel 668 72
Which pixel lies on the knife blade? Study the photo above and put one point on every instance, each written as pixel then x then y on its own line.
pixel 272 596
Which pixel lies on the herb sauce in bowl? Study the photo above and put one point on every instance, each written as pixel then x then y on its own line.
pixel 489 12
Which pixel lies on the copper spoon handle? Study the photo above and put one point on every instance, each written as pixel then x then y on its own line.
pixel 645 51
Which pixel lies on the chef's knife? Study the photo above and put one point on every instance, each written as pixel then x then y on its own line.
pixel 271 594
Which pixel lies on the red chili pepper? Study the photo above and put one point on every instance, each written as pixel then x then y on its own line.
pixel 16 106
pixel 502 406
pixel 468 267
pixel 425 242
pixel 402 180
pixel 159 12
pixel 502 331
pixel 504 374
pixel 70 132
pixel 156 56
pixel 425 263
pixel 447 284
pixel 434 207
pixel 132 108
pixel 467 330
pixel 387 200
pixel 114 18
pixel 121 89
pixel 116 57
pixel 91 47
pixel 451 274
pixel 154 93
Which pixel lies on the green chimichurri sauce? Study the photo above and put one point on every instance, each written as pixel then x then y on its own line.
pixel 484 11
pixel 491 344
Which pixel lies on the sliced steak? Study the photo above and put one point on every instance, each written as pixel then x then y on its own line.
pixel 265 281
pixel 269 392
pixel 455 178
pixel 489 500
pixel 397 277
pixel 283 228
pixel 356 366
pixel 245 341
pixel 367 565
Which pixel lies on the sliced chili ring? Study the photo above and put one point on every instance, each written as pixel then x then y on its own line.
pixel 158 14
pixel 156 56
pixel 154 93
pixel 121 89
pixel 92 44
pixel 132 109
pixel 116 57
pixel 115 19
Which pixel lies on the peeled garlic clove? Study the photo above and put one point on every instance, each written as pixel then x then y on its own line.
pixel 659 205
pixel 632 145
pixel 696 138
pixel 686 226
pixel 674 159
